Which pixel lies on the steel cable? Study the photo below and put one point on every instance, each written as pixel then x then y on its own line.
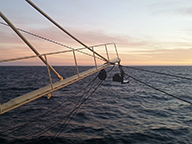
pixel 135 68
pixel 40 132
pixel 52 41
pixel 159 90
pixel 74 111
pixel 54 109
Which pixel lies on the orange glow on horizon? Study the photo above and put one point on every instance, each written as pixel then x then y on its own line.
pixel 131 51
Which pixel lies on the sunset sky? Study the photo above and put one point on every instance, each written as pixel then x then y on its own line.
pixel 146 32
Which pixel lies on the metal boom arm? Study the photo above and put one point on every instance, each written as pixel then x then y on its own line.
pixel 29 45
pixel 26 98
pixel 60 27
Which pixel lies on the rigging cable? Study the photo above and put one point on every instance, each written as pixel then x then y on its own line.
pixel 160 90
pixel 52 41
pixel 102 76
pixel 135 68
pixel 56 122
pixel 75 111
pixel 111 69
pixel 42 131
pixel 64 118
pixel 62 29
pixel 53 110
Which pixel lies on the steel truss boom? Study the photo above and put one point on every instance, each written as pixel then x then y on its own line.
pixel 26 98
pixel 47 90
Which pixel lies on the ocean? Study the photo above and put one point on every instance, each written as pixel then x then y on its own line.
pixel 92 111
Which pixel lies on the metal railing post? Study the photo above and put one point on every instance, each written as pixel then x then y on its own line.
pixel 94 58
pixel 116 51
pixel 76 62
pixel 107 52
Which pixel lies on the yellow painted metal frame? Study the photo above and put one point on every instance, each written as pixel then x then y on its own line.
pixel 47 90
pixel 26 98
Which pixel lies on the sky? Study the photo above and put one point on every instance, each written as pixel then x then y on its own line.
pixel 146 32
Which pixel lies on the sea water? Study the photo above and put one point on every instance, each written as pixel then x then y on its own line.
pixel 115 113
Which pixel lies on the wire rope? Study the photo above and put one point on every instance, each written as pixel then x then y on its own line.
pixel 111 69
pixel 64 118
pixel 135 68
pixel 42 131
pixel 54 109
pixel 157 89
pixel 38 117
pixel 52 41
pixel 75 111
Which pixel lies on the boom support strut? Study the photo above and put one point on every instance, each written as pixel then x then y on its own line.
pixel 61 28
pixel 26 98
pixel 29 45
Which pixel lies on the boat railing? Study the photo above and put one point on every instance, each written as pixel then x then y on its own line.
pixel 47 90
pixel 73 51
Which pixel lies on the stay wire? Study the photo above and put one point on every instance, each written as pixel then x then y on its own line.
pixel 85 92
pixel 52 41
pixel 69 116
pixel 38 133
pixel 111 69
pixel 77 108
pixel 160 90
pixel 135 68
pixel 42 131
pixel 72 113
pixel 17 128
pixel 54 124
pixel 54 109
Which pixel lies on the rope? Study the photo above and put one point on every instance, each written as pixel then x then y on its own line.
pixel 111 69
pixel 53 110
pixel 61 28
pixel 75 111
pixel 40 132
pixel 52 41
pixel 160 90
pixel 66 120
pixel 135 68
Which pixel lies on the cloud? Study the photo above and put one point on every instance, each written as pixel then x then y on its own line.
pixel 88 37
pixel 159 57
pixel 171 7
pixel 185 11
pixel 131 50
